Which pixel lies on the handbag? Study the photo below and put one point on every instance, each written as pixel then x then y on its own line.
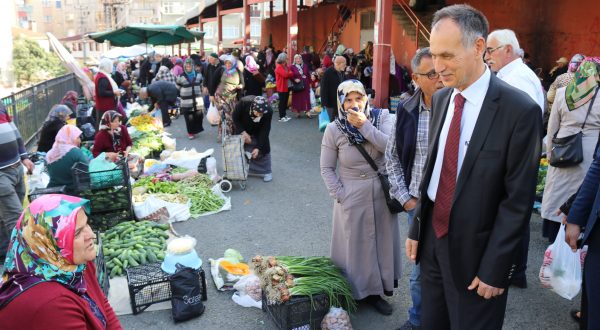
pixel 297 86
pixel 568 151
pixel 393 204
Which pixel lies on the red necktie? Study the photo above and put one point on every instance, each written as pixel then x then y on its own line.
pixel 447 184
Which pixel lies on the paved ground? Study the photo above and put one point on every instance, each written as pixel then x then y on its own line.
pixel 292 216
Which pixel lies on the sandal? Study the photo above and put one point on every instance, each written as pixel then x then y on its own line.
pixel 575 315
pixel 308 115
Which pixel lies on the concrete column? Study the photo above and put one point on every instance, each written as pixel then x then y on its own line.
pixel 219 28
pixel 270 9
pixel 246 41
pixel 381 51
pixel 292 24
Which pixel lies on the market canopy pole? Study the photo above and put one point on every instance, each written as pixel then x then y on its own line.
pixel 201 40
pixel 219 27
pixel 381 51
pixel 246 42
pixel 292 24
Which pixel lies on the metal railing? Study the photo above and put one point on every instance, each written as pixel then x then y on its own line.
pixel 420 28
pixel 29 107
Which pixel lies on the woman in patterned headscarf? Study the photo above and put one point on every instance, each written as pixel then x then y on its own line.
pixel 230 87
pixel 301 99
pixel 64 154
pixel 252 120
pixel 112 138
pixel 49 278
pixel 365 240
pixel 70 100
pixel 189 84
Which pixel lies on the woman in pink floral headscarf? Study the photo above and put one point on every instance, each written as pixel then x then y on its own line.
pixel 64 154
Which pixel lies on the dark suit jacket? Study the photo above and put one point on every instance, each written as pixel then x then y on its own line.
pixel 495 189
pixel 586 207
pixel 329 84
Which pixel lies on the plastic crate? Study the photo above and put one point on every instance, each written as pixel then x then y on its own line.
pixel 149 284
pixel 102 221
pixel 83 179
pixel 298 313
pixel 100 263
pixel 36 193
pixel 108 199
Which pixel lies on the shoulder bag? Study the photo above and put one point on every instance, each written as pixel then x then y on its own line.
pixel 393 204
pixel 568 151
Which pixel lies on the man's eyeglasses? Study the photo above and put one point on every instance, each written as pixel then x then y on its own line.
pixel 431 75
pixel 490 50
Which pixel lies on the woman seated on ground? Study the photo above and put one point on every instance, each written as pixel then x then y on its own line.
pixel 49 279
pixel 252 119
pixel 57 118
pixel 112 138
pixel 64 154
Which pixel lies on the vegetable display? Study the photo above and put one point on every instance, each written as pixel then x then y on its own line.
pixel 108 199
pixel 154 185
pixel 131 244
pixel 283 277
pixel 145 123
pixel 203 198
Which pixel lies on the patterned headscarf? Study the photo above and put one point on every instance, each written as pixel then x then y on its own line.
pixel 63 143
pixel 192 74
pixel 251 64
pixel 351 132
pixel 60 111
pixel 41 247
pixel 122 69
pixel 233 60
pixel 581 89
pixel 259 104
pixel 107 118
pixel 70 100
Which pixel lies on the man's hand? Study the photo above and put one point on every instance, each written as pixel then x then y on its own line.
pixel 29 165
pixel 411 249
pixel 572 235
pixel 356 118
pixel 484 290
pixel 410 204
pixel 255 152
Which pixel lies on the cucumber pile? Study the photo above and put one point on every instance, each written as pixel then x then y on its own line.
pixel 114 198
pixel 130 244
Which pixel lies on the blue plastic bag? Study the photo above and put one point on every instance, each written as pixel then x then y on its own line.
pixel 323 119
pixel 104 173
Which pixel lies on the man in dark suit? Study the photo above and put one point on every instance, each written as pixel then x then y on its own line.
pixel 584 213
pixel 332 78
pixel 479 183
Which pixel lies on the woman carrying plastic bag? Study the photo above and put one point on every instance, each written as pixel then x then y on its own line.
pixel 561 269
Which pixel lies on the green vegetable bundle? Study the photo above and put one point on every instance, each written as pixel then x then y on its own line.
pixel 153 185
pixel 282 277
pixel 131 244
pixel 198 190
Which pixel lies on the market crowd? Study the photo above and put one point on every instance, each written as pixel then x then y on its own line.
pixel 458 149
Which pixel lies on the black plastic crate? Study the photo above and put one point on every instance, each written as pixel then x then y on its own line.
pixel 108 199
pixel 83 179
pixel 36 193
pixel 100 264
pixel 299 313
pixel 103 221
pixel 149 284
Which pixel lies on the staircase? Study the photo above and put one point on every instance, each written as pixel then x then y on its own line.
pixel 410 20
pixel 333 38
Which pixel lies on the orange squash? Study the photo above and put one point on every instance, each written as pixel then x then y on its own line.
pixel 235 269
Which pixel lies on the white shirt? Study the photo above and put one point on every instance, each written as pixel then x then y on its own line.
pixel 474 96
pixel 519 75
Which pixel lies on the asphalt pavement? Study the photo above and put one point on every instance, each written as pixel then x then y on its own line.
pixel 292 216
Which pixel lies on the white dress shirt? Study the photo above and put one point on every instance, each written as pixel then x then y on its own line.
pixel 519 75
pixel 474 96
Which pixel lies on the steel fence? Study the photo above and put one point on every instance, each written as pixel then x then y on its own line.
pixel 29 107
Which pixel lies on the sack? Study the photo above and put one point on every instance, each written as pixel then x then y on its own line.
pixel 393 205
pixel 561 269
pixel 186 296
pixel 323 120
pixel 336 319
pixel 213 115
pixel 297 86
pixel 567 151
pixel 249 293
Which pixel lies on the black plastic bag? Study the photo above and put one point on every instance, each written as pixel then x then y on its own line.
pixel 186 295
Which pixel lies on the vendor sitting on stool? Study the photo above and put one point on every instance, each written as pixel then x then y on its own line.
pixel 113 138
pixel 63 155
pixel 162 94
pixel 252 119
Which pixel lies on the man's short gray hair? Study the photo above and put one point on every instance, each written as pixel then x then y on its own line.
pixel 506 37
pixel 419 56
pixel 471 22
pixel 281 58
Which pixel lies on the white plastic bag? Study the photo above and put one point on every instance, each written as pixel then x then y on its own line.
pixel 246 300
pixel 249 285
pixel 188 159
pixel 177 212
pixel 561 269
pixel 313 100
pixel 213 115
pixel 336 319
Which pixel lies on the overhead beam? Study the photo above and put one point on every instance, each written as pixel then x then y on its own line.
pixel 208 20
pixel 231 11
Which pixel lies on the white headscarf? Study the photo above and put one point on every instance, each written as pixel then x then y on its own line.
pixel 106 67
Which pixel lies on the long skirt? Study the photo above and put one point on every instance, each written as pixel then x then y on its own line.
pixel 260 165
pixel 193 120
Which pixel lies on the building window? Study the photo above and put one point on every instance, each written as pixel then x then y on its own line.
pixel 173 8
pixel 208 31
pixel 58 4
pixel 367 20
pixel 47 19
pixel 46 3
pixel 231 32
pixel 255 29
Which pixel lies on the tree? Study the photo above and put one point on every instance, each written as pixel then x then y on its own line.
pixel 33 64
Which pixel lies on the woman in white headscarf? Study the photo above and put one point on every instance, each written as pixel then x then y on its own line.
pixel 106 91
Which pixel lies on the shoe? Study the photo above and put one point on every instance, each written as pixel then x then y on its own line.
pixel 382 306
pixel 191 136
pixel 167 125
pixel 574 316
pixel 284 119
pixel 298 115
pixel 268 177
pixel 409 326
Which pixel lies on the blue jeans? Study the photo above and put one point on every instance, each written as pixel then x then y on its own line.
pixel 414 313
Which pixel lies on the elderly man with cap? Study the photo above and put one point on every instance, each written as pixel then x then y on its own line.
pixel 252 119
pixel 212 78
